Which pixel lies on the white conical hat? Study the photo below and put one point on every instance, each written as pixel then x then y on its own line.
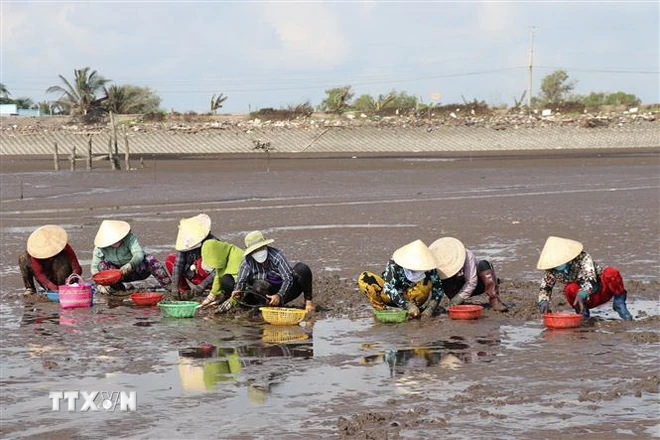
pixel 110 232
pixel 192 231
pixel 414 256
pixel 558 251
pixel 47 241
pixel 449 252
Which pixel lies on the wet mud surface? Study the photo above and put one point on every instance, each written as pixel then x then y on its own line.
pixel 341 374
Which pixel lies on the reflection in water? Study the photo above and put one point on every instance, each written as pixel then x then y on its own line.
pixel 450 354
pixel 202 368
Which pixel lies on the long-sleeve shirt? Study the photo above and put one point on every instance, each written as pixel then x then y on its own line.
pixel 39 266
pixel 185 259
pixel 275 263
pixel 229 262
pixel 129 251
pixel 396 284
pixel 469 273
pixel 581 270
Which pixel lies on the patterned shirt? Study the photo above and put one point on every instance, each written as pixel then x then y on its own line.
pixel 185 259
pixel 396 284
pixel 581 270
pixel 276 266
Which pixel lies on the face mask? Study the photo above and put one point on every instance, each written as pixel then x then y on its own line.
pixel 414 275
pixel 562 268
pixel 205 267
pixel 260 255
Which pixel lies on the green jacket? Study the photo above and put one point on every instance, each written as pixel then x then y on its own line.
pixel 224 257
pixel 130 251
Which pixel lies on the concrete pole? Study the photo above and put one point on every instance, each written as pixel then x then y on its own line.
pixel 529 76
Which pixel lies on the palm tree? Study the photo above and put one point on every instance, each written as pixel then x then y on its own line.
pixel 4 95
pixel 80 97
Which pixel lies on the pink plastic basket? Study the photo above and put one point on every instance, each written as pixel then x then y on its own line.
pixel 75 296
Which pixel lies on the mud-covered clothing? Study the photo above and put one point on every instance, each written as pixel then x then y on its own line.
pixel 51 272
pixel 130 251
pixel 148 266
pixel 394 289
pixel 581 270
pixel 276 270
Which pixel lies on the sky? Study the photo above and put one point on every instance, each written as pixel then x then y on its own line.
pixel 276 54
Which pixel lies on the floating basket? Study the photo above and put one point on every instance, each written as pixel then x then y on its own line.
pixel 147 298
pixel 465 311
pixel 178 309
pixel 75 293
pixel 107 277
pixel 562 320
pixel 282 315
pixel 391 316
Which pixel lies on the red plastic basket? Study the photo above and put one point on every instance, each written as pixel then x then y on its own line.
pixel 562 320
pixel 147 298
pixel 465 311
pixel 79 295
pixel 107 277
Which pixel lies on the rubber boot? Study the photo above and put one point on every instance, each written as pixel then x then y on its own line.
pixel 492 289
pixel 619 306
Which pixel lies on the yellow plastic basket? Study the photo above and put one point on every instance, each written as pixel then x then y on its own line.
pixel 282 315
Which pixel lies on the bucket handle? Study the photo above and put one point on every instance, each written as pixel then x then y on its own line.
pixel 74 276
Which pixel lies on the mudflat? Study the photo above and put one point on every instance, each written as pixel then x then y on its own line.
pixel 342 374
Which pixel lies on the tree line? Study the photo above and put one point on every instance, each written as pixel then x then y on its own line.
pixel 90 95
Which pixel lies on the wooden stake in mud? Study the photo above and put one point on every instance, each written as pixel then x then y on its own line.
pixel 73 158
pixel 111 156
pixel 89 152
pixel 127 151
pixel 56 157
pixel 141 162
pixel 115 141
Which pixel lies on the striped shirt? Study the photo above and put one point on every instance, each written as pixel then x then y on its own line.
pixel 275 266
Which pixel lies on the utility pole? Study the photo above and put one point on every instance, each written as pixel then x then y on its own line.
pixel 529 75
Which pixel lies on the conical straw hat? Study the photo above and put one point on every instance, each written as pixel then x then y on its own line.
pixel 414 256
pixel 558 251
pixel 110 232
pixel 450 255
pixel 192 231
pixel 47 241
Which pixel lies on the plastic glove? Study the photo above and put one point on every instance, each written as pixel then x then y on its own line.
pixel 544 307
pixel 309 307
pixel 456 300
pixel 126 269
pixel 210 299
pixel 430 309
pixel 227 305
pixel 103 290
pixel 274 300
pixel 413 310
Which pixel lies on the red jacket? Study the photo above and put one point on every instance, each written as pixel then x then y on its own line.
pixel 42 277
